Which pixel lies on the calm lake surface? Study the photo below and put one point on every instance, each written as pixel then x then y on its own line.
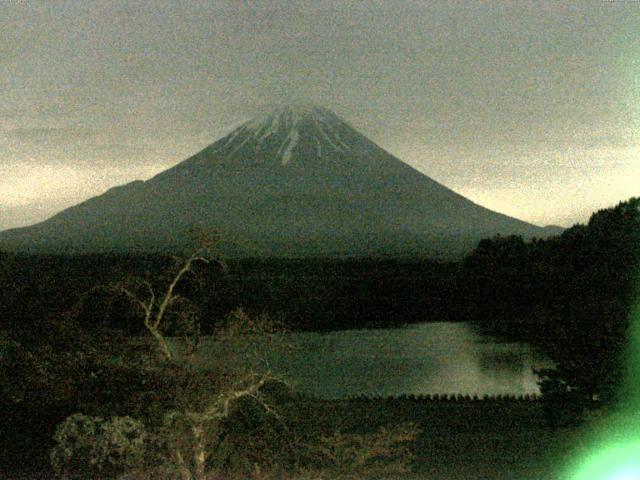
pixel 427 358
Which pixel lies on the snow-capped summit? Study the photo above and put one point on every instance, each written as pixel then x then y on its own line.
pixel 296 180
pixel 294 130
pixel 289 114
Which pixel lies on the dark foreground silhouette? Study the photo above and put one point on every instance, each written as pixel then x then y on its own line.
pixel 68 347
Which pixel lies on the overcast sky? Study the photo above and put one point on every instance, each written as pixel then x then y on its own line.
pixel 528 108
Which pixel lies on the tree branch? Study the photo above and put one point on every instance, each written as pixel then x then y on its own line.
pixel 168 297
pixel 146 308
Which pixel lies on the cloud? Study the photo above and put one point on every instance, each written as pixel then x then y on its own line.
pixel 48 134
pixel 73 147
pixel 14 216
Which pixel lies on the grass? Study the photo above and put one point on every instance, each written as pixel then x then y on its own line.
pixel 481 440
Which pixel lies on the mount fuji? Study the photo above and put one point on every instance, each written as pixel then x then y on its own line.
pixel 297 181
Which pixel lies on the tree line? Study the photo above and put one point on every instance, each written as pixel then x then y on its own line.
pixel 572 295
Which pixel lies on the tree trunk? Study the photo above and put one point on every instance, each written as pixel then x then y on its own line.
pixel 185 474
pixel 162 343
pixel 199 455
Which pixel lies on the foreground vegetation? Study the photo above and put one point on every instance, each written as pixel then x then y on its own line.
pixel 92 389
pixel 142 407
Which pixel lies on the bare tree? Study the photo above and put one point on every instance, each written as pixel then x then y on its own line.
pixel 155 304
pixel 187 429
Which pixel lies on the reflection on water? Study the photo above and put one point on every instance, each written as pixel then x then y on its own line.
pixel 420 359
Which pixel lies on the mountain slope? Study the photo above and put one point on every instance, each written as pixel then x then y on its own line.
pixel 296 181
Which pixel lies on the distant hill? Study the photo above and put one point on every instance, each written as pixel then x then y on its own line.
pixel 297 181
pixel 552 230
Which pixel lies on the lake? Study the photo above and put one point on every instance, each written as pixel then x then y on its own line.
pixel 426 358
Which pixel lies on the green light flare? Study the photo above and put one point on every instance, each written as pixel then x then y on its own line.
pixel 615 452
pixel 614 461
pixel 625 475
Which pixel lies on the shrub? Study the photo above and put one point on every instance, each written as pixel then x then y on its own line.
pixel 90 446
pixel 120 445
pixel 383 453
pixel 75 439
